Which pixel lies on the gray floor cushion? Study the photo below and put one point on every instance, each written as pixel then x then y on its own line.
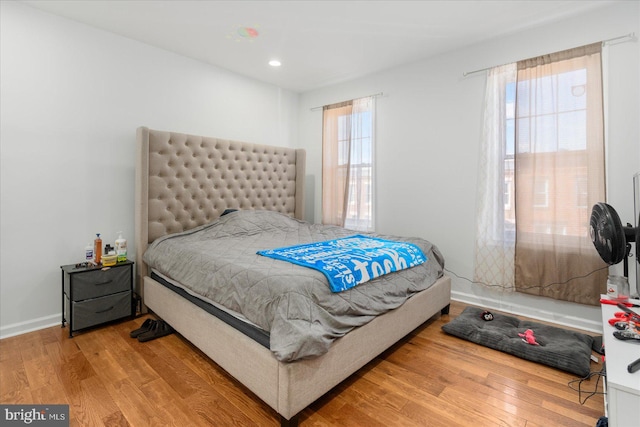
pixel 563 349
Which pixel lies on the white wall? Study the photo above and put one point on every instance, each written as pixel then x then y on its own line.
pixel 428 135
pixel 72 98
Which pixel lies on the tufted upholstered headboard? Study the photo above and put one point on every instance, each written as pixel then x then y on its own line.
pixel 183 181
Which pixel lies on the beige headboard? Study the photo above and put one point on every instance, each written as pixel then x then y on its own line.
pixel 183 181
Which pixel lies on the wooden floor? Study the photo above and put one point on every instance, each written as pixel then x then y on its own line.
pixel 428 379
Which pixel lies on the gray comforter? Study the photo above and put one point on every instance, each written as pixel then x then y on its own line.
pixel 293 303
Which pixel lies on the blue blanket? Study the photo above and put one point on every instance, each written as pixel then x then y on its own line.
pixel 353 260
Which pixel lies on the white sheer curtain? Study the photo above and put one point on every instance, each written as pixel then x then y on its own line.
pixel 359 215
pixel 495 234
pixel 347 164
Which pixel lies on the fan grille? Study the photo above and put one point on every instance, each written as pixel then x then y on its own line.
pixel 607 233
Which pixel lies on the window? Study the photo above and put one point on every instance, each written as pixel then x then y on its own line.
pixel 541 193
pixel 581 191
pixel 552 113
pixel 347 171
pixel 544 131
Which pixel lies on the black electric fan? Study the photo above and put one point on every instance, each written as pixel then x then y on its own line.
pixel 611 239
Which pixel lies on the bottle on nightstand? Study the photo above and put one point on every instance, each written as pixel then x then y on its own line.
pixel 88 252
pixel 121 247
pixel 97 249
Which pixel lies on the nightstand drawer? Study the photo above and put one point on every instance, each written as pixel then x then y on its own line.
pixel 96 283
pixel 94 311
pixel 92 295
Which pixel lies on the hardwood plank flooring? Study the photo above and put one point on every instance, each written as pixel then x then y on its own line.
pixel 427 379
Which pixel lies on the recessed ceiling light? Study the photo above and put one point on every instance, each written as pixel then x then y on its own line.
pixel 275 63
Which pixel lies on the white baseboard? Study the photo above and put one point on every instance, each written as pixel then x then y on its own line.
pixel 572 321
pixel 30 326
pixel 592 324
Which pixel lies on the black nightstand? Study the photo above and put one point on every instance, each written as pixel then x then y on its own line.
pixel 95 295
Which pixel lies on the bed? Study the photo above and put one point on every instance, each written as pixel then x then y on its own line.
pixel 184 182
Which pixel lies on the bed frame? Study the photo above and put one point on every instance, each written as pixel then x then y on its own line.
pixel 183 181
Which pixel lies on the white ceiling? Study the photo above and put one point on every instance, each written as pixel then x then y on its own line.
pixel 318 42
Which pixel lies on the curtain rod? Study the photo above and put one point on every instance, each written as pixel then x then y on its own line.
pixel 626 36
pixel 375 95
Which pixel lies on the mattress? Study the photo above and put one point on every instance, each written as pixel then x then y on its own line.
pixel 218 261
pixel 231 318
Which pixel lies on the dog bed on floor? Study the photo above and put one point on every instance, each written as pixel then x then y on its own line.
pixel 559 348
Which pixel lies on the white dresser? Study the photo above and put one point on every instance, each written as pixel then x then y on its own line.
pixel 622 401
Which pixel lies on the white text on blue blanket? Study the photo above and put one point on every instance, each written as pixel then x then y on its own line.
pixel 353 260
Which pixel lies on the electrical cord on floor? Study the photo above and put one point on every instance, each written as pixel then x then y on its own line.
pixel 520 288
pixel 602 373
pixel 590 393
